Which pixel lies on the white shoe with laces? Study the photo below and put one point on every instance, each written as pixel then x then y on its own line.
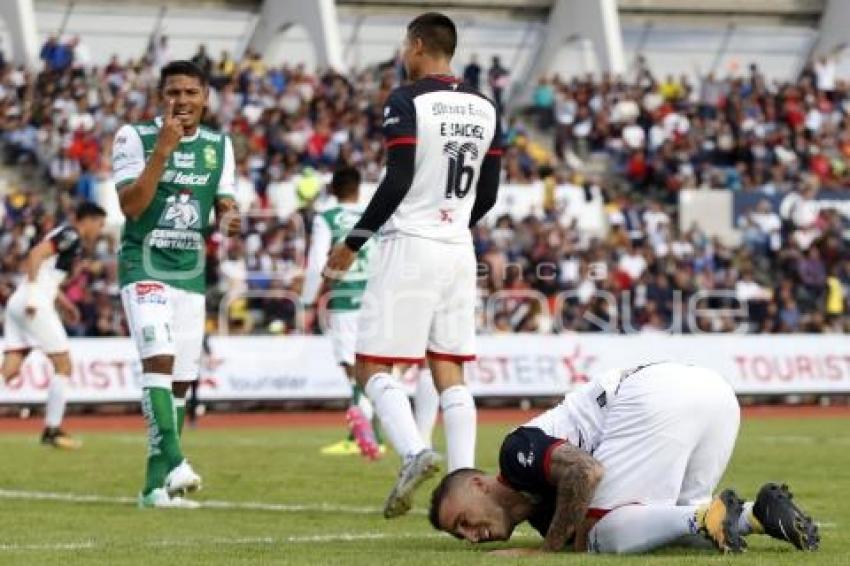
pixel 182 480
pixel 414 471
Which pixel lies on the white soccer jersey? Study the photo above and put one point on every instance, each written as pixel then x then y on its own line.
pixel 580 417
pixel 453 127
pixel 52 272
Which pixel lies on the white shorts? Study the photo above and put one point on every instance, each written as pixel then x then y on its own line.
pixel 668 436
pixel 419 300
pixel 43 330
pixel 342 330
pixel 166 321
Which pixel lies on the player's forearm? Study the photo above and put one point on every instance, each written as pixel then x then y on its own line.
pixel 63 301
pixel 487 189
pixel 33 263
pixel 578 480
pixel 136 197
pixel 387 197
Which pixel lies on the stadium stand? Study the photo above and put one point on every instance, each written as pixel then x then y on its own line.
pixel 634 143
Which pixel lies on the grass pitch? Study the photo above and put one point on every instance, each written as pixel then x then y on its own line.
pixel 274 499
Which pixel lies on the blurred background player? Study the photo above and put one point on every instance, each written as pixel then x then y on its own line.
pixel 329 228
pixel 442 176
pixel 32 320
pixel 170 173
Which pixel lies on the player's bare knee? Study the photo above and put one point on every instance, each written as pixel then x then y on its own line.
pixel 158 364
pixel 365 370
pixel 180 388
pixel 61 363
pixel 446 374
pixel 11 367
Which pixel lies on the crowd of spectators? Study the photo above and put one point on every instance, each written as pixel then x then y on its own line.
pixel 653 138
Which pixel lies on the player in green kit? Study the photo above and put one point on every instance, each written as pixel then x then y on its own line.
pixel 330 227
pixel 170 173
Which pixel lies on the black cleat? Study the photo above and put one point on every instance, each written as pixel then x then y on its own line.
pixel 783 520
pixel 58 438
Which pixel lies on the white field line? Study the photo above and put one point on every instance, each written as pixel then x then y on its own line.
pixel 81 545
pixel 212 504
pixel 300 539
pixel 244 505
pixel 296 539
pixel 279 507
pixel 792 439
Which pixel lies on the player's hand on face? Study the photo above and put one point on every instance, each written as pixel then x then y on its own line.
pixel 171 131
pixel 339 262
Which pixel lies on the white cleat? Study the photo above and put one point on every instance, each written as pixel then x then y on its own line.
pixel 415 470
pixel 160 499
pixel 182 480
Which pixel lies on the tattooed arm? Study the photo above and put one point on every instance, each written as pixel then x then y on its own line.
pixel 576 475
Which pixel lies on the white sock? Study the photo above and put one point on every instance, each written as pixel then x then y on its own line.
pixel 459 421
pixel 426 405
pixel 744 525
pixel 179 401
pixel 56 401
pixel 635 529
pixel 393 409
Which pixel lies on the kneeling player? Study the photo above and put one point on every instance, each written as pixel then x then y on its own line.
pixel 625 464
pixel 31 317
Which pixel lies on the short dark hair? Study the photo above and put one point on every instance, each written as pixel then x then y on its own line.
pixel 446 485
pixel 182 67
pixel 345 182
pixel 437 32
pixel 87 209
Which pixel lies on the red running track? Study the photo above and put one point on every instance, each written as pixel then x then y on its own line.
pixel 337 418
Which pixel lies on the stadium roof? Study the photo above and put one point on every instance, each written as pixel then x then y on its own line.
pixel 762 11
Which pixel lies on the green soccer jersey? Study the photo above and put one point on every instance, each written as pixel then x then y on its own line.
pixel 329 228
pixel 166 242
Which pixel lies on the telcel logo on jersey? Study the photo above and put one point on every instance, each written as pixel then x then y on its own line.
pixel 180 178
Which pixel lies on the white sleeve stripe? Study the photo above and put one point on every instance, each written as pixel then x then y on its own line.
pixel 227 182
pixel 128 154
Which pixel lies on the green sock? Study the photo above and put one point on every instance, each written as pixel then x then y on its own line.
pixel 180 413
pixel 163 443
pixel 356 392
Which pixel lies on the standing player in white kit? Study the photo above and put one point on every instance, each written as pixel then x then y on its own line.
pixel 443 163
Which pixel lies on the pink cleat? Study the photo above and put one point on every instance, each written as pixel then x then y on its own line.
pixel 363 434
